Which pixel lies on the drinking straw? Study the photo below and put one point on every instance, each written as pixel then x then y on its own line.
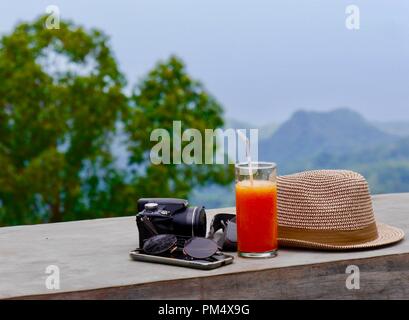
pixel 248 156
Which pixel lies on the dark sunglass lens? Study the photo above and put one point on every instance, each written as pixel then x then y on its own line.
pixel 159 244
pixel 200 248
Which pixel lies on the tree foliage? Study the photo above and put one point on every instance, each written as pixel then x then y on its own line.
pixel 166 95
pixel 62 101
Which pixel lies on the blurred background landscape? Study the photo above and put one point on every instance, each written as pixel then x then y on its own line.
pixel 338 139
pixel 78 104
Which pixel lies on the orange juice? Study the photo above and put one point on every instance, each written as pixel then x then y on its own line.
pixel 256 208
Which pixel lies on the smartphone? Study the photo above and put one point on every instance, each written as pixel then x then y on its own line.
pixel 179 259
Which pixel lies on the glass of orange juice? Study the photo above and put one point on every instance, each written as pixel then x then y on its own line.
pixel 256 209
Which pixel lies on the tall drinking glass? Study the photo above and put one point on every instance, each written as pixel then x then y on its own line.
pixel 256 209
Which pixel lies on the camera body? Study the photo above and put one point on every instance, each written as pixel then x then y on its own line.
pixel 169 216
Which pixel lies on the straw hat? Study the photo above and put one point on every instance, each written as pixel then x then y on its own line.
pixel 331 210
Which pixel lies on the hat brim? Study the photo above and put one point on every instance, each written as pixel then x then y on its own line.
pixel 386 235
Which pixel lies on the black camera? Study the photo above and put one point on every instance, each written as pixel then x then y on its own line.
pixel 169 216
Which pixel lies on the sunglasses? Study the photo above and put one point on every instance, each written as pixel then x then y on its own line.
pixel 191 248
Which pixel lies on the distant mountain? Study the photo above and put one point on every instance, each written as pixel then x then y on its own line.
pixel 397 151
pixel 398 128
pixel 265 131
pixel 306 135
pixel 386 167
pixel 213 196
pixel 237 124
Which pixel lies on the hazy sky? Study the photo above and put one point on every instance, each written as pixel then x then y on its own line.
pixel 261 59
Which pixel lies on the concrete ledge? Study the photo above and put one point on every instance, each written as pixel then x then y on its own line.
pixel 93 260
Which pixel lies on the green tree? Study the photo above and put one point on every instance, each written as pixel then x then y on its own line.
pixel 61 103
pixel 168 94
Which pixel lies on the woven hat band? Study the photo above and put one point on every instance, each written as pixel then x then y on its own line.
pixel 330 237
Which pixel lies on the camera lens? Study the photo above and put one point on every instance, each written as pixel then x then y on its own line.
pixel 192 222
pixel 200 222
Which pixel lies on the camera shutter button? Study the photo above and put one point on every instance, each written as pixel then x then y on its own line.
pixel 151 206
